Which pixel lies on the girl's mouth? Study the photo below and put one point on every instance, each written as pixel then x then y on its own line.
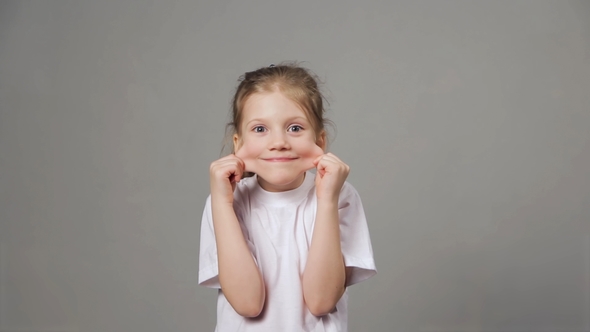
pixel 279 159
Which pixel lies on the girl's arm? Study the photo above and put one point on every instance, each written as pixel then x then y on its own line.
pixel 239 276
pixel 324 278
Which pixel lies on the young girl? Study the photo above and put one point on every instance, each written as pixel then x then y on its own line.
pixel 283 244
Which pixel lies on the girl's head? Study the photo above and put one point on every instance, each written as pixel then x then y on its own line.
pixel 278 124
pixel 294 82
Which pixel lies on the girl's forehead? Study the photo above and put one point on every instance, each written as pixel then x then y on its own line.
pixel 271 106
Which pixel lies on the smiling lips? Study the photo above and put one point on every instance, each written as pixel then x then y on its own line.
pixel 280 159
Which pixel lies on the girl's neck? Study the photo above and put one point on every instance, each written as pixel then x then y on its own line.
pixel 280 188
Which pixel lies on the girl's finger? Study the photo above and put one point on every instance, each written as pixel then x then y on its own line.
pixel 333 156
pixel 327 161
pixel 230 167
pixel 317 160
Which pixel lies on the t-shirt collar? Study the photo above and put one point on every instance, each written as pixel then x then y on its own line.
pixel 284 197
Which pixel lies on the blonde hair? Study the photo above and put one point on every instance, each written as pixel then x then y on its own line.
pixel 295 82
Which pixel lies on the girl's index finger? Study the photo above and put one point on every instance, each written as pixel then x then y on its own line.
pixel 317 160
pixel 240 160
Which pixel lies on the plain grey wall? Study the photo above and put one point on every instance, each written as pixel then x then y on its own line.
pixel 466 125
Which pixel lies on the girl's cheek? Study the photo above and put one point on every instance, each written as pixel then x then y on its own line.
pixel 317 151
pixel 310 150
pixel 249 148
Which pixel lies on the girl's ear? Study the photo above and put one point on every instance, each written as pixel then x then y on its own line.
pixel 237 142
pixel 322 140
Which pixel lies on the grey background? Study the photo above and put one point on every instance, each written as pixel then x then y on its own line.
pixel 466 126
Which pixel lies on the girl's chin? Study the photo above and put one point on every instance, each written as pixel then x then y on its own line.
pixel 280 182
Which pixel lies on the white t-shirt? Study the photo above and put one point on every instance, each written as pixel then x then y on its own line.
pixel 278 228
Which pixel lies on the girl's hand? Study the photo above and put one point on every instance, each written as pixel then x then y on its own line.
pixel 224 173
pixel 330 176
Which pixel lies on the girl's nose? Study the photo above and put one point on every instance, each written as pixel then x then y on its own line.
pixel 279 142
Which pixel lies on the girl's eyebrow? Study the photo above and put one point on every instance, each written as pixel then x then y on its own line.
pixel 254 120
pixel 300 118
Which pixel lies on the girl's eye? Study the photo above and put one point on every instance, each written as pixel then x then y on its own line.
pixel 295 128
pixel 259 129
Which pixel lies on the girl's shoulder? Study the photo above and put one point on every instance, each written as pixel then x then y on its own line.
pixel 348 190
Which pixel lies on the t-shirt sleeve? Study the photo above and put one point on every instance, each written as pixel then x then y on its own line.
pixel 354 236
pixel 208 270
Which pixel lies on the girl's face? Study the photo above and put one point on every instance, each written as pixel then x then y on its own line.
pixel 278 142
